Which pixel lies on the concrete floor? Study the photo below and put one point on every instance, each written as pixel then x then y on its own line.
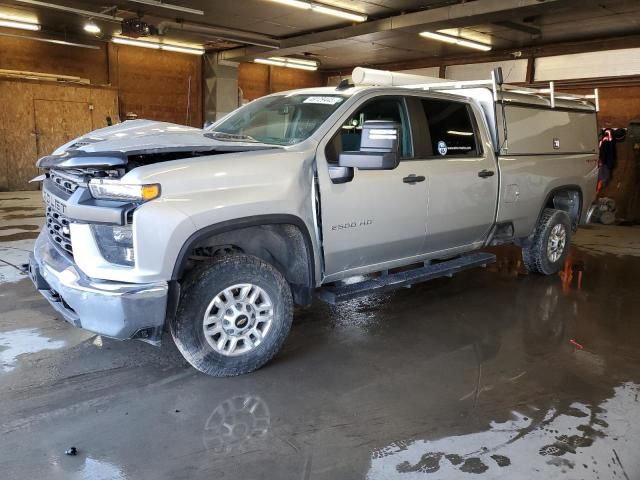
pixel 490 374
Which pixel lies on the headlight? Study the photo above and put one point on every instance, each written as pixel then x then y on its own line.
pixel 109 189
pixel 115 243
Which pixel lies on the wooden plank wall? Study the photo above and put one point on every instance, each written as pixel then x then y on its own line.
pixel 257 80
pixel 32 56
pixel 152 83
pixel 157 85
pixel 18 130
pixel 253 80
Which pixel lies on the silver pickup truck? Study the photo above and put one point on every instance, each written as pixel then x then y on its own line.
pixel 216 233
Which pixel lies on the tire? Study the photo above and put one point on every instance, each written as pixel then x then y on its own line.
pixel 259 331
pixel 536 256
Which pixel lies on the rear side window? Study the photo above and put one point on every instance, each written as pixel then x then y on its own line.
pixel 451 128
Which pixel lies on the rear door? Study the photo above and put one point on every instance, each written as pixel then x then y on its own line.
pixel 377 217
pixel 461 170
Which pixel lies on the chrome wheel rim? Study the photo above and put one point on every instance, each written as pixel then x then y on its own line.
pixel 238 319
pixel 557 242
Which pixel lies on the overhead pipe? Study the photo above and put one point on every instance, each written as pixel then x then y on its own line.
pixel 77 11
pixel 239 36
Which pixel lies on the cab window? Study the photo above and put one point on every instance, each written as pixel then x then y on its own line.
pixel 451 128
pixel 347 139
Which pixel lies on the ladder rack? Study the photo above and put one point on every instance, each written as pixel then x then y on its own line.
pixel 549 92
pixel 379 77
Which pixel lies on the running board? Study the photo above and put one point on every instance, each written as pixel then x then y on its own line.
pixel 342 293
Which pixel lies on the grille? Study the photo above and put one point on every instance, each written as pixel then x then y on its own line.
pixel 58 228
pixel 67 183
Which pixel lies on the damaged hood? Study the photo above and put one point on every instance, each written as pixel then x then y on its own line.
pixel 110 146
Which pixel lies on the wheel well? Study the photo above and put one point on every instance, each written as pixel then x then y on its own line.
pixel 568 199
pixel 282 245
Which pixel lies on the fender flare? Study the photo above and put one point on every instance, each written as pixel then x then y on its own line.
pixel 562 188
pixel 239 223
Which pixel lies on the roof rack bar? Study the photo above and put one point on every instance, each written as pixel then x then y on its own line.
pixel 365 76
pixel 595 97
pixel 494 85
pixel 453 85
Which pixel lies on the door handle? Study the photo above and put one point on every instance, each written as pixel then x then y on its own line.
pixel 413 178
pixel 486 173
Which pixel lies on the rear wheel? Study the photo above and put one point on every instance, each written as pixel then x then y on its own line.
pixel 233 316
pixel 548 249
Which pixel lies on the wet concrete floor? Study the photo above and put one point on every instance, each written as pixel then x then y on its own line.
pixel 490 374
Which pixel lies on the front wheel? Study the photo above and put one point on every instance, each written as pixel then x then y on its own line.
pixel 234 315
pixel 548 249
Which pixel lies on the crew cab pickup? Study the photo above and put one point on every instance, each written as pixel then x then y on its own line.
pixel 215 233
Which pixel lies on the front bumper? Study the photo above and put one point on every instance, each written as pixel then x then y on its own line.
pixel 113 309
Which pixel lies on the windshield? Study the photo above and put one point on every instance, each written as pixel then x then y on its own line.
pixel 279 120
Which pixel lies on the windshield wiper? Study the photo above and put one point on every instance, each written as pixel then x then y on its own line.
pixel 231 137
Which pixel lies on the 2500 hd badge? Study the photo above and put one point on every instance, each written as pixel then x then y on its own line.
pixel 354 224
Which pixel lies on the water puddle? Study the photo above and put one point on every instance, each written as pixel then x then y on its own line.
pixel 585 441
pixel 99 470
pixel 25 340
pixel 12 257
pixel 89 469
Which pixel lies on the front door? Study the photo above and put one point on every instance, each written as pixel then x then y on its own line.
pixel 377 217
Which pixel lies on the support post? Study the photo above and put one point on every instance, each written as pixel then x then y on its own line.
pixel 220 87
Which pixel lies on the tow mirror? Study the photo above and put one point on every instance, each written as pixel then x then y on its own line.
pixel 379 147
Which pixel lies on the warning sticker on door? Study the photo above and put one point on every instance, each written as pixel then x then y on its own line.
pixel 442 148
pixel 323 100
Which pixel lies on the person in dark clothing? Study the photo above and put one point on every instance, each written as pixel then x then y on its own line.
pixel 607 157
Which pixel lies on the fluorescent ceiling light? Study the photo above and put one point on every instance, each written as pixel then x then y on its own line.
pixel 136 43
pixel 266 61
pixel 289 63
pixel 91 27
pixel 18 24
pixel 326 9
pixel 457 132
pixel 50 40
pixel 180 49
pixel 169 6
pixel 338 12
pixel 158 46
pixel 295 3
pixel 463 42
pixel 298 61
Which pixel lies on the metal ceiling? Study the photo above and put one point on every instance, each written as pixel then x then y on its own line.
pixel 389 35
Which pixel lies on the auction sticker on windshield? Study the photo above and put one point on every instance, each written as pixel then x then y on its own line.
pixel 323 100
